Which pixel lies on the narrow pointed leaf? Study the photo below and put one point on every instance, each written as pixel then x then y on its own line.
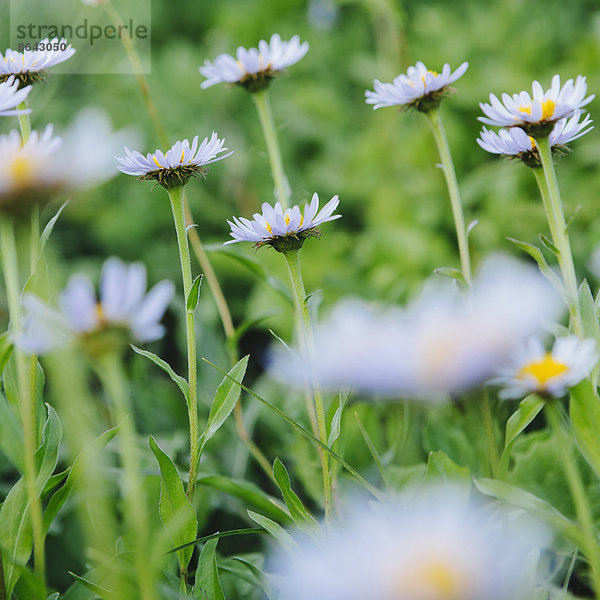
pixel 300 514
pixel 584 409
pixel 278 532
pixel 208 584
pixel 178 379
pixel 194 295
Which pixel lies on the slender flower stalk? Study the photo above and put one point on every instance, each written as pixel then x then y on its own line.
pixel 558 229
pixel 488 424
pixel 292 259
pixel 11 277
pixel 578 492
pixel 176 197
pixel 263 106
pixel 448 167
pixel 111 374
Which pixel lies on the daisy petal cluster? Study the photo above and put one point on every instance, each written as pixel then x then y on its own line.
pixel 533 369
pixel 434 547
pixel 537 113
pixel 419 88
pixel 11 96
pixel 175 166
pixel 254 68
pixel 124 312
pixel 515 142
pixel 283 230
pixel 29 66
pixel 443 343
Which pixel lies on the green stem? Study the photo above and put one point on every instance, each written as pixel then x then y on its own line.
pixel 24 121
pixel 578 493
pixel 177 205
pixel 113 381
pixel 486 413
pixel 292 259
pixel 10 267
pixel 558 228
pixel 282 187
pixel 448 167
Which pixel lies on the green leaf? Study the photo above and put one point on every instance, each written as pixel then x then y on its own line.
pixel 49 227
pixel 249 493
pixel 584 409
pixel 261 578
pixel 11 433
pixel 38 282
pixel 451 273
pixel 224 402
pixel 336 421
pixel 471 226
pixel 178 379
pixel 208 584
pixel 549 245
pixel 74 475
pixel 518 421
pixel 515 496
pixel 298 511
pixel 372 449
pixel 176 511
pixel 94 587
pixel 194 295
pixel 278 532
pixel 219 535
pixel 589 317
pixel 441 467
pixel 545 270
pixel 6 349
pixel 15 523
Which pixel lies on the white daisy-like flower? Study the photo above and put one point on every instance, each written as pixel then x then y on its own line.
pixel 434 547
pixel 29 66
pixel 443 343
pixel 533 369
pixel 11 96
pixel 283 230
pixel 420 88
pixel 537 113
pixel 178 164
pixel 255 67
pixel 46 164
pixel 124 313
pixel 515 142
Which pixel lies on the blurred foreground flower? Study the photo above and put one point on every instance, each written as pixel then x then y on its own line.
pixel 283 230
pixel 536 114
pixel 254 68
pixel 11 96
pixel 444 342
pixel 29 66
pixel 551 373
pixel 45 165
pixel 436 547
pixel 420 88
pixel 123 314
pixel 515 142
pixel 177 165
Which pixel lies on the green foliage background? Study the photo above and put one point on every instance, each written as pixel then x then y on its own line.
pixel 396 226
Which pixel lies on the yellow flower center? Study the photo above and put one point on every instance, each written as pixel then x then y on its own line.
pixel 542 370
pixel 21 169
pixel 287 219
pixel 100 313
pixel 156 162
pixel 268 228
pixel 434 580
pixel 548 107
pixel 532 143
pixel 526 108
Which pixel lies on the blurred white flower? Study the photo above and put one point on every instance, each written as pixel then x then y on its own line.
pixel 254 68
pixel 532 369
pixel 276 227
pixel 420 88
pixel 537 113
pixel 125 312
pixel 444 342
pixel 32 172
pixel 178 164
pixel 515 142
pixel 11 96
pixel 28 66
pixel 435 547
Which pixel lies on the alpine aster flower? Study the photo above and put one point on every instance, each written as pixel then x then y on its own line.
pixel 536 114
pixel 420 88
pixel 434 547
pixel 552 373
pixel 283 230
pixel 445 342
pixel 29 66
pixel 515 142
pixel 11 96
pixel 124 312
pixel 177 165
pixel 254 68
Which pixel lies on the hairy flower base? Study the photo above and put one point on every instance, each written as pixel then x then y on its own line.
pixel 430 101
pixel 170 178
pixel 256 82
pixel 532 157
pixel 25 79
pixel 537 130
pixel 290 241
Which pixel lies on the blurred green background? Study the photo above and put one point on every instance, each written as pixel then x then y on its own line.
pixel 396 226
